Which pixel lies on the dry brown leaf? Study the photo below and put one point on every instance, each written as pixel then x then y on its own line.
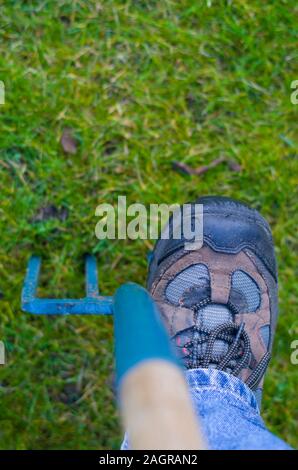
pixel 200 170
pixel 50 212
pixel 69 142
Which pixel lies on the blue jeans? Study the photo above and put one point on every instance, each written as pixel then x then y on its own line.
pixel 228 412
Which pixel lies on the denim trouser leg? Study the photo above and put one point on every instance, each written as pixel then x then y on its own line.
pixel 228 412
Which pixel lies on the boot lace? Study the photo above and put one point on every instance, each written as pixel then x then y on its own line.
pixel 233 361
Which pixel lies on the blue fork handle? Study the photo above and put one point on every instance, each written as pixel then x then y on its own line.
pixel 140 334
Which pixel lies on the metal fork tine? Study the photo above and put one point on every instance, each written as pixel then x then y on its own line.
pixel 92 304
pixel 31 279
pixel 91 276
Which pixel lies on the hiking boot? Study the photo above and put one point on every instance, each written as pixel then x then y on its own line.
pixel 219 302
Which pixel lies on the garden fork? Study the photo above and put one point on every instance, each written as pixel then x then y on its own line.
pixel 92 304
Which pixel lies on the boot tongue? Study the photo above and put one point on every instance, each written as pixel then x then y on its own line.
pixel 207 317
pixel 210 317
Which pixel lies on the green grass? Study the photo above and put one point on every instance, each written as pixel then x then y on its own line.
pixel 141 84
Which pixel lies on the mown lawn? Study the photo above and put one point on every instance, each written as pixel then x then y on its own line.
pixel 140 84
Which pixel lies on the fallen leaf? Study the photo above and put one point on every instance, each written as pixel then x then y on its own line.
pixel 183 168
pixel 188 170
pixel 50 212
pixel 69 142
pixel 234 166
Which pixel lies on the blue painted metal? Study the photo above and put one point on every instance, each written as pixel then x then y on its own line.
pixel 92 304
pixel 139 331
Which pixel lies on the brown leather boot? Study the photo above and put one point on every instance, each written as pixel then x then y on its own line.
pixel 219 303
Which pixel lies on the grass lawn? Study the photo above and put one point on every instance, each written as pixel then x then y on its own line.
pixel 140 84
